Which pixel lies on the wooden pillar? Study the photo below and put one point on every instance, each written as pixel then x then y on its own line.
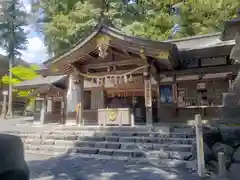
pixel 43 110
pixel 230 83
pixel 148 97
pixel 64 109
pixel 4 105
pixel 80 119
pixel 175 97
pixel 158 102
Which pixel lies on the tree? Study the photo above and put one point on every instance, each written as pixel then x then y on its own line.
pixel 63 23
pixel 20 74
pixel 202 17
pixel 13 37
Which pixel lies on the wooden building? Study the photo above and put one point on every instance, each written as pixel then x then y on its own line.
pixel 111 78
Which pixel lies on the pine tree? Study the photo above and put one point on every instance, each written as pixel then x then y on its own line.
pixel 12 35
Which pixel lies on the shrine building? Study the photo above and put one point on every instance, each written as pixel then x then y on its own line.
pixel 110 78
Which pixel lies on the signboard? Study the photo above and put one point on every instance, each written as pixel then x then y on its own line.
pixel 148 93
pixel 201 85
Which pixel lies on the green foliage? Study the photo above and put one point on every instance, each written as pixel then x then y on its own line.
pixel 66 22
pixel 21 73
pixel 12 20
pixel 202 17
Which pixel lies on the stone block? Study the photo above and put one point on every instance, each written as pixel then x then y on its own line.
pixel 87 150
pixel 100 145
pixel 178 135
pixel 234 171
pixel 157 146
pixel 180 148
pixel 103 134
pixel 48 142
pixel 91 138
pixel 220 147
pixel 142 134
pixel 138 154
pixel 127 146
pixel 71 137
pixel 105 152
pixel 36 142
pixel 141 140
pixel 236 156
pixel 159 154
pixel 55 136
pixel 122 153
pixel 85 144
pixel 127 139
pixel 124 134
pixel 113 146
pixel 150 140
pixel 180 155
pixel 28 141
pixel 112 139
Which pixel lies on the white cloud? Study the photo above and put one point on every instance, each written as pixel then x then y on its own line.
pixel 36 51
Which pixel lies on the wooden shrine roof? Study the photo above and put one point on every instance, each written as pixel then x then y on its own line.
pixel 50 89
pixel 40 81
pixel 162 52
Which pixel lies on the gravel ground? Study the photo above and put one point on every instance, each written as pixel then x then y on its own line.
pixel 80 168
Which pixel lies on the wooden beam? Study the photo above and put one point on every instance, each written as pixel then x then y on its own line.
pixel 97 65
pixel 122 53
pixel 215 69
pixel 91 57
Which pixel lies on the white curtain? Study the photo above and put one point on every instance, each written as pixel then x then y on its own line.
pixel 72 95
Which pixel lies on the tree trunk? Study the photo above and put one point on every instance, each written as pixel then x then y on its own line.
pixel 9 112
pixel 11 58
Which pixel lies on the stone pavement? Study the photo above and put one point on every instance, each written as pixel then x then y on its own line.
pixel 80 168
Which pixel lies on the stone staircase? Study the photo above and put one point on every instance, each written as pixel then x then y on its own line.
pixel 162 143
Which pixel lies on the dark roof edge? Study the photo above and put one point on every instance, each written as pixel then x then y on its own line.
pixel 95 29
pixel 193 37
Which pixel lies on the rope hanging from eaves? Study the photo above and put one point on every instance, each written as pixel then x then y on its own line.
pixel 113 78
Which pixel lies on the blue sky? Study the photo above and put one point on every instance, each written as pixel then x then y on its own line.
pixel 36 52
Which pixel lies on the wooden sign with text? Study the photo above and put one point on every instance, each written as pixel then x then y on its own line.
pixel 148 93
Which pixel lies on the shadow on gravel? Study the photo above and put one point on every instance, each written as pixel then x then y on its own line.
pixel 81 168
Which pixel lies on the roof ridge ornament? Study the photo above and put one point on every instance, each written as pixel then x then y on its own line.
pixel 102 44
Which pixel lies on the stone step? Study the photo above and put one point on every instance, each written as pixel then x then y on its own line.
pixel 36 149
pixel 72 136
pixel 114 128
pixel 133 139
pixel 160 163
pixel 135 146
pixel 169 155
pixel 104 142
